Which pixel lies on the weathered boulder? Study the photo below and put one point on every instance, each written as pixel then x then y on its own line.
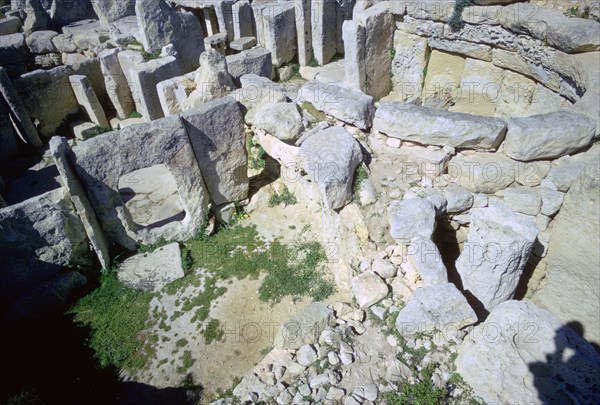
pixel 564 171
pixel 10 25
pixel 411 218
pixel 283 120
pixel 305 327
pixel 216 131
pixel 40 42
pixel 438 307
pixel 524 354
pixel 368 289
pixel 548 136
pixel 213 80
pixel 110 10
pixel 330 158
pixel 571 289
pixel 255 61
pixel 483 172
pixel 152 271
pixel 430 126
pixel 425 258
pixel 498 246
pixel 160 24
pixel 457 198
pixel 337 100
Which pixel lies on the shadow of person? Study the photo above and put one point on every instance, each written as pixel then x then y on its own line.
pixel 570 374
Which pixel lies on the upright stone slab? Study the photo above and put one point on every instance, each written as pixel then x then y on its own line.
pixel 60 150
pixel 354 55
pixel 379 32
pixel 243 20
pixel 173 93
pixel 223 10
pixel 116 82
pixel 37 18
pixel 216 131
pixel 161 24
pixel 104 162
pixel 343 12
pixel 144 78
pixel 304 31
pixel 87 99
pixel 324 28
pixel 409 64
pixel 276 29
pixel 17 111
pixel 8 140
pixel 498 247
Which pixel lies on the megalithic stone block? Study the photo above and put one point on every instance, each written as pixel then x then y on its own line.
pixel 116 82
pixel 60 150
pixel 87 99
pixel 354 55
pixel 304 31
pixel 18 114
pixel 243 20
pixel 324 28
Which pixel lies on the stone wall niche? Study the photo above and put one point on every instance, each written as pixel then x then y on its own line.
pixel 144 183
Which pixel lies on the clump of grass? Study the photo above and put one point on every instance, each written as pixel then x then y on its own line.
pixel 456 21
pixel 97 130
pixel 117 316
pixel 320 116
pixel 187 361
pixel 148 56
pixel 256 154
pixel 135 114
pixel 313 62
pixel 422 392
pixel 360 174
pixel 286 197
pixel 213 332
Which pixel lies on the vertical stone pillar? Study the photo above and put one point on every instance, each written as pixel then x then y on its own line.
pixel 304 31
pixel 324 28
pixel 243 20
pixel 87 99
pixel 354 54
pixel 116 83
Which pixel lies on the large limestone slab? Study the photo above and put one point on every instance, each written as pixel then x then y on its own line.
pixel 116 82
pixel 424 257
pixel 109 11
pixel 102 161
pixel 143 80
pixel 48 97
pixel 439 307
pixel 216 131
pixel 40 236
pixel 524 354
pixel 572 283
pixel 324 29
pixel 152 271
pixel 242 20
pixel 160 24
pixel 60 150
pixel 548 136
pixel 173 93
pixel 354 55
pixel 444 71
pixel 276 29
pixel 14 53
pixel 379 33
pixel 498 247
pixel 304 31
pixel 335 99
pixel 430 126
pixel 255 61
pixel 87 99
pixel 330 158
pixel 408 65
